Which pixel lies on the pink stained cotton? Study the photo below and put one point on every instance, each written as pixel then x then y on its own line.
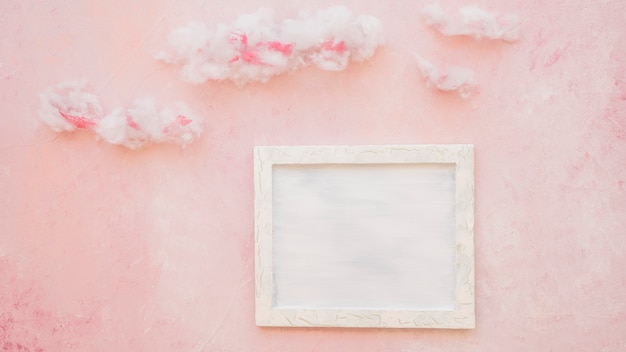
pixel 256 47
pixel 144 123
pixel 68 107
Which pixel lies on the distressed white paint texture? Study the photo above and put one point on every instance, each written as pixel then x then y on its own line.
pixel 355 236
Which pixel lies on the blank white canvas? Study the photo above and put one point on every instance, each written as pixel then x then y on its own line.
pixel 364 236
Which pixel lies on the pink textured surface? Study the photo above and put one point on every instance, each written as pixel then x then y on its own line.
pixel 106 249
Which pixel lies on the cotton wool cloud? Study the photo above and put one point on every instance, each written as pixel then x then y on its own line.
pixel 256 47
pixel 448 78
pixel 474 22
pixel 144 123
pixel 69 106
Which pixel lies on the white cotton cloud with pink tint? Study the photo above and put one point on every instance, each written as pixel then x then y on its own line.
pixel 448 78
pixel 144 123
pixel 474 22
pixel 256 47
pixel 68 107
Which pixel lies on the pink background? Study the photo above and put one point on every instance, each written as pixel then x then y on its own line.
pixel 106 249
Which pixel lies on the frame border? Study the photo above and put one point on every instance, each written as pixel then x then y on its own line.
pixel 462 155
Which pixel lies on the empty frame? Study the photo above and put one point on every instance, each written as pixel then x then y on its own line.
pixel 365 236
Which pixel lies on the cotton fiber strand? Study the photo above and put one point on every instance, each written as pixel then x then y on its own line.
pixel 474 22
pixel 256 47
pixel 448 79
pixel 68 106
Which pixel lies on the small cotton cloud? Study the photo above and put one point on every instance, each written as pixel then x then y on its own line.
pixel 448 78
pixel 474 22
pixel 68 107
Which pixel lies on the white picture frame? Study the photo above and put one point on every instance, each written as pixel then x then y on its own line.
pixel 297 176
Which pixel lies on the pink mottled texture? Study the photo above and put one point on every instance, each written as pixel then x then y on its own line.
pixel 108 249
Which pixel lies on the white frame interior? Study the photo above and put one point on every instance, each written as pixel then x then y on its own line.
pixel 462 155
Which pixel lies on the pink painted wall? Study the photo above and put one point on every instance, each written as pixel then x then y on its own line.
pixel 105 249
